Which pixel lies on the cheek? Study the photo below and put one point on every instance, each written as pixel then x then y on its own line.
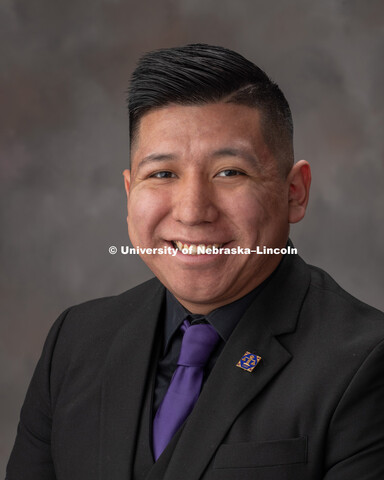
pixel 246 209
pixel 146 209
pixel 255 210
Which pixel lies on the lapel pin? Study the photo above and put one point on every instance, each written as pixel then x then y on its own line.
pixel 248 361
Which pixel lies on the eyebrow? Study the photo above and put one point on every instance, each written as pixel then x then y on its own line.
pixel 156 157
pixel 252 160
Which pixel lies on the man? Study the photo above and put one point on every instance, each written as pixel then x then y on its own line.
pixel 286 380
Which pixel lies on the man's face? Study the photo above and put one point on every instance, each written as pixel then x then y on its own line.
pixel 202 175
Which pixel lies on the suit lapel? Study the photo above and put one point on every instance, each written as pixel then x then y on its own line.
pixel 230 389
pixel 124 379
pixel 227 392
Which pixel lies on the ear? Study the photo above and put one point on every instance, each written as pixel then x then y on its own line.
pixel 127 180
pixel 127 183
pixel 299 180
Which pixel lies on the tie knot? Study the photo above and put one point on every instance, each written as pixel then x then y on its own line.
pixel 197 345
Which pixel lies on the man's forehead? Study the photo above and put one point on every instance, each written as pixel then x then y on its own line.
pixel 211 127
pixel 199 112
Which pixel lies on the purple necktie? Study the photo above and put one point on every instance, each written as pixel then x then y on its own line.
pixel 197 345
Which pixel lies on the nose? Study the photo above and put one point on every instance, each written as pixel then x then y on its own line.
pixel 194 202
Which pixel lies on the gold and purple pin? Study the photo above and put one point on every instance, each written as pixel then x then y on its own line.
pixel 248 361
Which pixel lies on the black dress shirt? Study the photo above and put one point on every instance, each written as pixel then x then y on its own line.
pixel 224 319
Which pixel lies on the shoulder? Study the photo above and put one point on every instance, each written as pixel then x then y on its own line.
pixel 80 339
pixel 343 317
pixel 129 302
pixel 95 321
pixel 326 288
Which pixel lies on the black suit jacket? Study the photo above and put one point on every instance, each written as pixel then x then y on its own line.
pixel 312 409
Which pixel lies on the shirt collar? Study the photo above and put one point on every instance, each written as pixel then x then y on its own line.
pixel 224 319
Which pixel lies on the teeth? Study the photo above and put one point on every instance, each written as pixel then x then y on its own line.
pixel 194 249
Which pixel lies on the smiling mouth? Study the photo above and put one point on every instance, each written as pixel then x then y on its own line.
pixel 196 248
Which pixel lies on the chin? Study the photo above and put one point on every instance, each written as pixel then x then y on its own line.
pixel 192 294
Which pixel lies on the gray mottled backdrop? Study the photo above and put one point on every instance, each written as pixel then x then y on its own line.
pixel 63 138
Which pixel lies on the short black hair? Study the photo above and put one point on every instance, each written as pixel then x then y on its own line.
pixel 198 74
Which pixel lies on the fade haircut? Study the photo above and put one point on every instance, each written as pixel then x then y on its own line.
pixel 198 74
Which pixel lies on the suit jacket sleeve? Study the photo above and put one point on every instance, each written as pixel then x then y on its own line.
pixel 355 447
pixel 31 455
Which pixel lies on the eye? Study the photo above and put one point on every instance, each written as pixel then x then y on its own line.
pixel 163 174
pixel 229 173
